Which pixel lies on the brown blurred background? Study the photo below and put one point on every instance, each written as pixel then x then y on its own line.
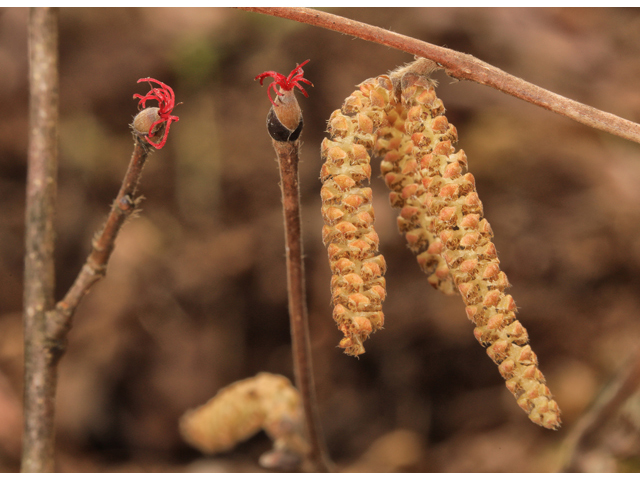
pixel 195 296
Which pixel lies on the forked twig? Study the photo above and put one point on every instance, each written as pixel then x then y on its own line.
pixel 463 67
pixel 46 325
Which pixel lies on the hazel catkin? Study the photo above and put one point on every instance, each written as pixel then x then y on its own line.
pixel 357 285
pixel 442 200
pixel 400 118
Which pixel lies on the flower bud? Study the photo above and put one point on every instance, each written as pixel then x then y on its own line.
pixel 284 120
pixel 144 120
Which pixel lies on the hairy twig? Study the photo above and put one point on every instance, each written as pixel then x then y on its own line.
pixel 464 67
pixel 59 319
pixel 288 158
pixel 46 324
pixel 56 322
pixel 39 277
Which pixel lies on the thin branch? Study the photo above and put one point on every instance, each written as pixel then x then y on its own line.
pixel 604 409
pixel 288 159
pixel 464 67
pixel 284 124
pixel 150 121
pixel 59 319
pixel 39 277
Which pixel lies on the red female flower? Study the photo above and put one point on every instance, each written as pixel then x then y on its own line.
pixel 285 83
pixel 166 101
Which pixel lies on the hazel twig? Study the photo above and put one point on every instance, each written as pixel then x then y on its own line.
pixel 288 158
pixel 464 67
pixel 39 277
pixel 59 321
pixel 284 123
pixel 46 325
pixel 149 124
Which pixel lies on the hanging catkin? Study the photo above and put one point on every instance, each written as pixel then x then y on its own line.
pixel 441 216
pixel 357 283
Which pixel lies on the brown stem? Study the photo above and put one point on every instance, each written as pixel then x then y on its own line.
pixel 463 67
pixel 39 278
pixel 288 158
pixel 610 402
pixel 59 319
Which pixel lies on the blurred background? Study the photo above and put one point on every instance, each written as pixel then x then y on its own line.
pixel 195 294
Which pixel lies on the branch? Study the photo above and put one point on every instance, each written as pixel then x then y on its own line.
pixel 46 325
pixel 59 319
pixel 284 124
pixel 149 124
pixel 288 159
pixel 609 404
pixel 463 67
pixel 39 278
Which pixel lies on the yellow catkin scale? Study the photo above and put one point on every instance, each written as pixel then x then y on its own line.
pixel 265 402
pixel 357 284
pixel 441 214
pixel 399 168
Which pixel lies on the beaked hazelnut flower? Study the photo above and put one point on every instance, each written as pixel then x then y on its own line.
pixel 153 121
pixel 284 121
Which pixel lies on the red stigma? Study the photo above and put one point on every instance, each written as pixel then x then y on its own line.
pixel 285 83
pixel 166 101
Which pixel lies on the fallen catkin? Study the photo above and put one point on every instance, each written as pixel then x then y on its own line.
pixel 266 401
pixel 400 118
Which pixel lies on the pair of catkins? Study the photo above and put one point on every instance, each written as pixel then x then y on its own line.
pixel 399 118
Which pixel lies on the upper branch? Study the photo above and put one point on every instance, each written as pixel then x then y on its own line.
pixel 464 67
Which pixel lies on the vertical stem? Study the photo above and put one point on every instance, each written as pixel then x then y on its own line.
pixel 288 157
pixel 40 357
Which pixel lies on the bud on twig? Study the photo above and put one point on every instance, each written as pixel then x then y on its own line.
pixel 284 121
pixel 154 122
pixel 284 124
